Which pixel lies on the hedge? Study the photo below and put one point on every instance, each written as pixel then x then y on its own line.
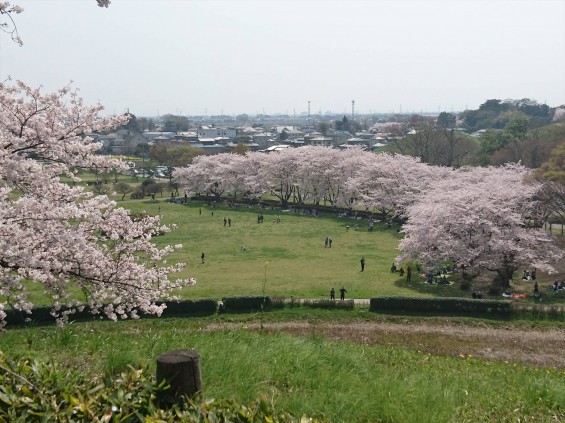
pixel 201 306
pixel 324 304
pixel 246 303
pixel 446 305
pixel 42 314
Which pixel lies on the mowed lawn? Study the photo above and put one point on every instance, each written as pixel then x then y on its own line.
pixel 290 254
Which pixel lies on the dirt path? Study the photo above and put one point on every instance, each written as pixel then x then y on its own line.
pixel 537 347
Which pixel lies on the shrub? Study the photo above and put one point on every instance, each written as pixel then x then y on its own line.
pixel 433 305
pixel 197 307
pixel 137 195
pixel 279 302
pixel 246 303
pixel 43 391
pixel 42 315
pixel 329 304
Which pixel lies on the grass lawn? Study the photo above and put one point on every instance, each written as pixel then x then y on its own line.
pixel 291 253
pixel 309 375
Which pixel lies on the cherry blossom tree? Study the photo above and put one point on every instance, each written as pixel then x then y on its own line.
pixel 232 171
pixel 58 234
pixel 9 25
pixel 205 175
pixel 477 217
pixel 391 182
pixel 275 173
pixel 316 169
pixel 350 162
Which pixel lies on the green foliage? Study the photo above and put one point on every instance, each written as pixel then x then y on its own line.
pixel 247 303
pixel 42 314
pixel 194 307
pixel 446 120
pixel 323 304
pixel 440 305
pixel 43 391
pixel 137 195
pixel 495 114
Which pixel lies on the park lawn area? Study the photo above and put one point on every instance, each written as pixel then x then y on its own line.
pixel 290 255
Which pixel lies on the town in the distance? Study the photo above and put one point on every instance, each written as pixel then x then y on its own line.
pixel 498 131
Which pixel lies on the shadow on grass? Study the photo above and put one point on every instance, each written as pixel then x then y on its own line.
pixel 434 290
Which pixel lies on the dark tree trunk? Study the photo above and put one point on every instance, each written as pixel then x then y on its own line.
pixel 181 369
pixel 505 275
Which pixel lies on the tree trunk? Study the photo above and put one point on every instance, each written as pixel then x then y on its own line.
pixel 505 275
pixel 181 369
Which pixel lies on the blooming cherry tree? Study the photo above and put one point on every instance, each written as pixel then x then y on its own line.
pixel 59 235
pixel 391 182
pixel 477 217
pixel 275 173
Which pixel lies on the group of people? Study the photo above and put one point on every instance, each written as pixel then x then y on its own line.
pixel 529 275
pixel 342 292
pixel 328 242
pixel 437 277
pixel 401 271
pixel 558 286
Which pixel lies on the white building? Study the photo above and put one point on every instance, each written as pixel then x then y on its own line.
pixel 215 132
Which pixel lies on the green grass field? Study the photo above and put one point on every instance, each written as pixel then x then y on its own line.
pixel 291 252
pixel 309 375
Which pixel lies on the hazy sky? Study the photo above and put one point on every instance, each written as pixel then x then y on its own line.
pixel 269 56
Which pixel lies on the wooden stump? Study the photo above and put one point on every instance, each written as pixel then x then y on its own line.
pixel 181 369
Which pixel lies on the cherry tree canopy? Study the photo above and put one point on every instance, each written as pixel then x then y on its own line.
pixel 390 183
pixel 312 174
pixel 478 217
pixel 59 235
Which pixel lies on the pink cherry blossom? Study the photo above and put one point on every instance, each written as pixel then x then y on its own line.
pixel 477 217
pixel 59 235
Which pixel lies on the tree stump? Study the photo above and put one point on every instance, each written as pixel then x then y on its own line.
pixel 181 369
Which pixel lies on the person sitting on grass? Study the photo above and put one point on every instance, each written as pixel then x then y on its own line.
pixel 443 280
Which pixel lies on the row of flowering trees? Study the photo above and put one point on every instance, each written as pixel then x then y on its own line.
pixel 476 217
pixel 343 178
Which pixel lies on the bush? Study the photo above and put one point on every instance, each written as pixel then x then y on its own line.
pixel 329 304
pixel 137 195
pixel 442 305
pixel 42 315
pixel 197 307
pixel 246 303
pixel 279 302
pixel 39 391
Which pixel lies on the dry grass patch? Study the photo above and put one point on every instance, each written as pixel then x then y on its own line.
pixel 511 344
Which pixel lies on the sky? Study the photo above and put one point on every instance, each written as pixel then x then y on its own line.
pixel 211 57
